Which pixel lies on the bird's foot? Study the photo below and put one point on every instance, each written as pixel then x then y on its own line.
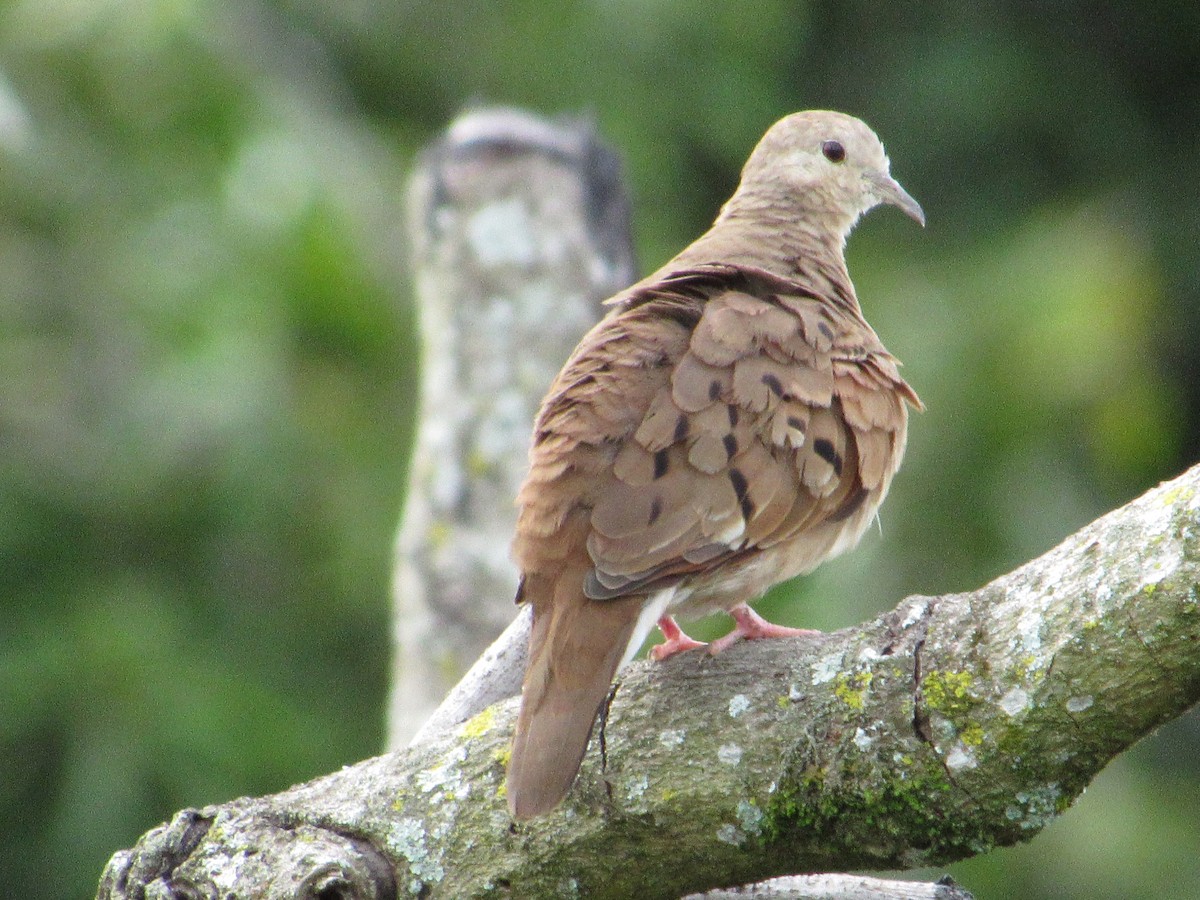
pixel 676 641
pixel 751 626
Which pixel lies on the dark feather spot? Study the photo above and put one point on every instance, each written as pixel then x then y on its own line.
pixel 733 415
pixel 731 445
pixel 686 315
pixel 797 423
pixel 825 330
pixel 747 508
pixel 773 384
pixel 824 449
pixel 655 510
pixel 714 389
pixel 849 505
pixel 738 480
pixel 660 464
pixel 681 428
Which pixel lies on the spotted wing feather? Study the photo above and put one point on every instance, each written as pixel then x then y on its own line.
pixel 756 419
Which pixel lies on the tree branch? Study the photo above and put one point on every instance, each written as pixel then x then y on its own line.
pixel 945 727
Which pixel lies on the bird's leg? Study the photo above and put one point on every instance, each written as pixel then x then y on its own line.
pixel 751 627
pixel 676 641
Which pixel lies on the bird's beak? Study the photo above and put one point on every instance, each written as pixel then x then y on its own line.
pixel 888 190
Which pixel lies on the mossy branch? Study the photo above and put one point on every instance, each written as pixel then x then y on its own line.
pixel 945 727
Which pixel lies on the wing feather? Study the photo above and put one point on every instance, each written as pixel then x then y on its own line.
pixel 762 420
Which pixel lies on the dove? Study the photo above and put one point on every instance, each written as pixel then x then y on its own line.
pixel 732 422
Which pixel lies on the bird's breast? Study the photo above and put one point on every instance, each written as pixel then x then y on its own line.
pixel 748 578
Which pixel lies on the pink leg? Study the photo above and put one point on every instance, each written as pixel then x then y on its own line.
pixel 751 626
pixel 676 641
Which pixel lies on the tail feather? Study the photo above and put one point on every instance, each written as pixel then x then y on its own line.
pixel 575 648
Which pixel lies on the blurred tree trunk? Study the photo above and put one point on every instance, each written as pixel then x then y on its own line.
pixel 519 228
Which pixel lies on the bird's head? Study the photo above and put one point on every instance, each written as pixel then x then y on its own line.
pixel 826 165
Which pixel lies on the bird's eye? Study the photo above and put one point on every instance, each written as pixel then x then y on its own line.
pixel 834 151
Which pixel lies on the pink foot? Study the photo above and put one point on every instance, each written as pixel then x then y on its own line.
pixel 676 641
pixel 752 627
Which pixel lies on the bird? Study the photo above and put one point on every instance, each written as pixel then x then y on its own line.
pixel 731 422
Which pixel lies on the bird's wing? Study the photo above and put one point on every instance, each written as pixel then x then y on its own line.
pixel 700 426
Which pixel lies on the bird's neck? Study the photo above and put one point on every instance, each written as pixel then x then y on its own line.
pixel 785 242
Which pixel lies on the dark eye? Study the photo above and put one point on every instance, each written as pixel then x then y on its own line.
pixel 834 151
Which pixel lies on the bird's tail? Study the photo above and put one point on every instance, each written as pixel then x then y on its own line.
pixel 575 647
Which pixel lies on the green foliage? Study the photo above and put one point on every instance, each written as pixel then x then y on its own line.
pixel 207 365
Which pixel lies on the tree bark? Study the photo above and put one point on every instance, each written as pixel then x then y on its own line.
pixel 942 729
pixel 519 229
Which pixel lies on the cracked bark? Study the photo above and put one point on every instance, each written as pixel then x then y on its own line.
pixel 941 729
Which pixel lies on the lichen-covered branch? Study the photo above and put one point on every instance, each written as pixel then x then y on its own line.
pixel 945 727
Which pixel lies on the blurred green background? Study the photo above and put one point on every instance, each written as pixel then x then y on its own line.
pixel 207 371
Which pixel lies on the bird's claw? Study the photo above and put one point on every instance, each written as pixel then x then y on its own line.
pixel 751 626
pixel 676 641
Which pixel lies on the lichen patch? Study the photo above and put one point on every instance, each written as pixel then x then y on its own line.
pixel 1015 701
pixel 738 704
pixel 961 757
pixel 479 725
pixel 1035 809
pixel 671 737
pixel 914 614
pixel 1079 704
pixel 731 834
pixel 827 668
pixel 406 839
pixel 637 788
pixel 502 233
pixel 730 754
pixel 862 740
pixel 750 817
pixel 445 781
